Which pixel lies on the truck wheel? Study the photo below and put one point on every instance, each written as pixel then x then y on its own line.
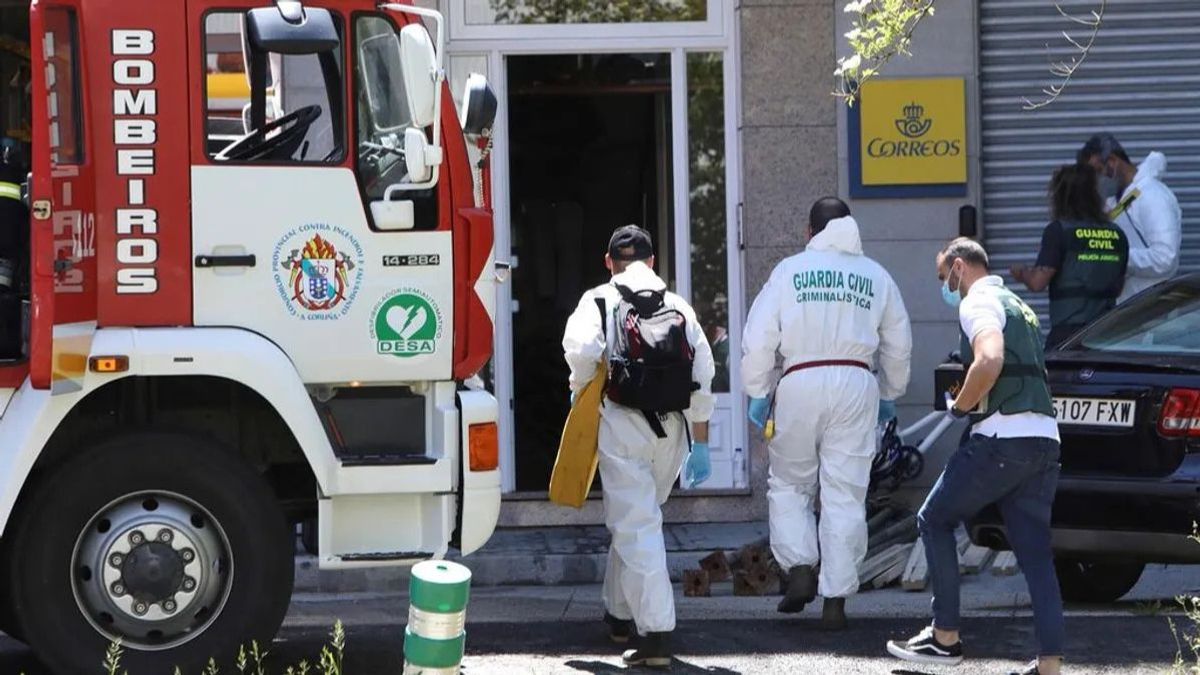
pixel 1083 581
pixel 308 536
pixel 169 543
pixel 8 617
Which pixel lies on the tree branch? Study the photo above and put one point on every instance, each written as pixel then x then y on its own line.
pixel 882 32
pixel 1063 70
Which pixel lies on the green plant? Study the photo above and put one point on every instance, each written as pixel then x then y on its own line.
pixel 1191 640
pixel 254 660
pixel 112 658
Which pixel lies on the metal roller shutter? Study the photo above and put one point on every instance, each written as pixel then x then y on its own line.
pixel 1141 82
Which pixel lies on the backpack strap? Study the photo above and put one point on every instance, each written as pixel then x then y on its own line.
pixel 603 307
pixel 655 423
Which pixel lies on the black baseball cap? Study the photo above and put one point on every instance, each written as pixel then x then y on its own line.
pixel 629 243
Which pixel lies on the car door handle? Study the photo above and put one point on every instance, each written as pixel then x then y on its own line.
pixel 226 260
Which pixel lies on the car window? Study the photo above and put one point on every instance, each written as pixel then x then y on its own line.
pixel 1160 321
pixel 382 117
pixel 63 87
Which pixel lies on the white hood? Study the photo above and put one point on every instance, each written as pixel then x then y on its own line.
pixel 639 277
pixel 841 234
pixel 1154 166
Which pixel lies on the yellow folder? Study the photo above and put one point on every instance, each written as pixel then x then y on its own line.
pixel 575 466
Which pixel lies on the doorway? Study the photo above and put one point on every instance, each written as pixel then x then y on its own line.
pixel 590 150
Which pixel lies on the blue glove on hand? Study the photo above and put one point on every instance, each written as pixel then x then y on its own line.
pixel 759 409
pixel 887 411
pixel 698 466
pixel 572 399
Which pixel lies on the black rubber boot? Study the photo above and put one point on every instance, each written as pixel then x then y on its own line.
pixel 833 614
pixel 801 589
pixel 654 651
pixel 619 630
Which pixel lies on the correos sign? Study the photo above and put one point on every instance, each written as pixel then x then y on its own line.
pixel 913 132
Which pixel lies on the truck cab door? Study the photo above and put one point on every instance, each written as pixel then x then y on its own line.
pixel 286 240
pixel 62 260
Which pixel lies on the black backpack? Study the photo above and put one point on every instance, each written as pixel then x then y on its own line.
pixel 650 358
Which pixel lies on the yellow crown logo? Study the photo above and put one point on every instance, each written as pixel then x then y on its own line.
pixel 911 125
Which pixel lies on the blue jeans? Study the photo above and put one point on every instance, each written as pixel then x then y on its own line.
pixel 1019 475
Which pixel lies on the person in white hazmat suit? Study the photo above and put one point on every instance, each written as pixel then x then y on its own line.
pixel 1142 206
pixel 830 311
pixel 640 454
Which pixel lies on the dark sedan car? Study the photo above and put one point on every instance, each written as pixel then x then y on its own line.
pixel 1127 396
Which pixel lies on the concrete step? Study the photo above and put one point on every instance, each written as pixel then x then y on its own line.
pixel 546 556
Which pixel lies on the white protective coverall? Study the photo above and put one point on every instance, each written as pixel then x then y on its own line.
pixel 637 469
pixel 1153 223
pixel 828 303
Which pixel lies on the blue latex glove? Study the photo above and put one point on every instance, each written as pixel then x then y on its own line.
pixel 759 409
pixel 572 399
pixel 698 466
pixel 887 411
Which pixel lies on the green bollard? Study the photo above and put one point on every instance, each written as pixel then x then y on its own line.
pixel 436 635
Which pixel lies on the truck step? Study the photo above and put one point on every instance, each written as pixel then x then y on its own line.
pixel 386 556
pixel 386 459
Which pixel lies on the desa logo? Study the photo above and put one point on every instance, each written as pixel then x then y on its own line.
pixel 913 126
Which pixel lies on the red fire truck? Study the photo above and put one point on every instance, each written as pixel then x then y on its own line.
pixel 261 284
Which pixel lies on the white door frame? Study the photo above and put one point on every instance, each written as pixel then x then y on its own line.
pixel 494 43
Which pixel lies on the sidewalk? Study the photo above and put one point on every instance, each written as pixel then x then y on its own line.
pixel 983 596
pixel 547 556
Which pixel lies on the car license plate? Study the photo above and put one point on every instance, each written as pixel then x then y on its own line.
pixel 1095 412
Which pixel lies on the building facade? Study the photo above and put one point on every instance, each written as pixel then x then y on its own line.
pixel 712 123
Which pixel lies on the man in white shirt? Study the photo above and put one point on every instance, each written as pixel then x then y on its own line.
pixel 1010 459
pixel 1143 206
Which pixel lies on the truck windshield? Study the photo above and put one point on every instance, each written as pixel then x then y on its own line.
pixel 383 109
pixel 1163 320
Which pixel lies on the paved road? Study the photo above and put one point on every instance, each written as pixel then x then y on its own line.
pixel 1101 645
pixel 554 630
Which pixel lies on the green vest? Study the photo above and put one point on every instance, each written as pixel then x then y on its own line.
pixel 1021 386
pixel 1093 268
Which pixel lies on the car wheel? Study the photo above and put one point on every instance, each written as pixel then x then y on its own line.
pixel 1083 581
pixel 168 543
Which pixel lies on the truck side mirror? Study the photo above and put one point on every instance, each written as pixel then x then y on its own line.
pixel 421 74
pixel 419 157
pixel 421 58
pixel 478 107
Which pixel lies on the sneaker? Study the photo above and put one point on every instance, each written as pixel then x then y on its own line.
pixel 619 630
pixel 654 651
pixel 1031 669
pixel 924 648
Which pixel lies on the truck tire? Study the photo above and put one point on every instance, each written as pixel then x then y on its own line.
pixel 1083 581
pixel 169 542
pixel 8 617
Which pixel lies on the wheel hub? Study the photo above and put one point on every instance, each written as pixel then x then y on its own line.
pixel 152 570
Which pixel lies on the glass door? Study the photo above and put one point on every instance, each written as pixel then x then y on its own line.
pixel 586 142
pixel 589 138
